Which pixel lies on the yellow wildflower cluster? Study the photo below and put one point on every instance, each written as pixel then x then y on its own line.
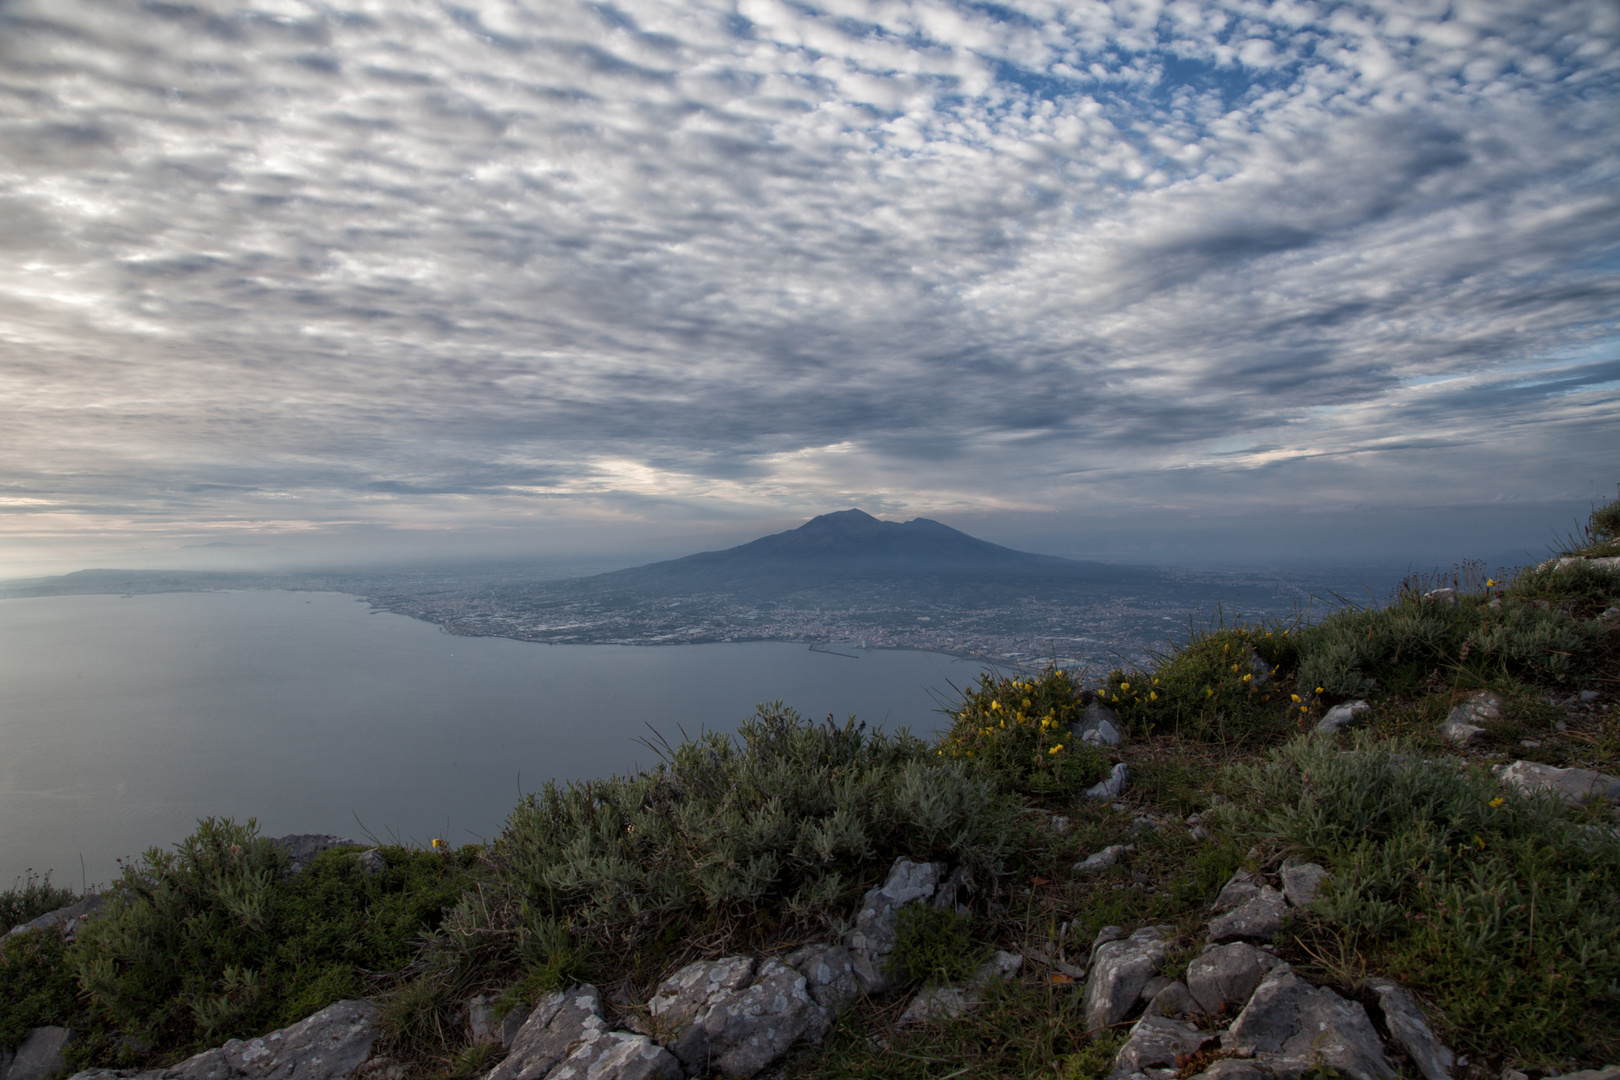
pixel 1018 723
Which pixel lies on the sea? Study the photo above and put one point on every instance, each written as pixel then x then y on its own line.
pixel 124 720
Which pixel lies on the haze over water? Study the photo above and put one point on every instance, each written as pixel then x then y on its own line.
pixel 124 720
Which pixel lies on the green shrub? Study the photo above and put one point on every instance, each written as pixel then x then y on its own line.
pixel 934 945
pixel 1018 730
pixel 26 902
pixel 1224 683
pixel 1580 589
pixel 214 940
pixel 786 824
pixel 1354 653
pixel 1502 909
pixel 37 984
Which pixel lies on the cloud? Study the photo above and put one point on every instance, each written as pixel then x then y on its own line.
pixel 333 262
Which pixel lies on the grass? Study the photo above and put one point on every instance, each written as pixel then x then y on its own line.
pixel 1501 913
pixel 1503 910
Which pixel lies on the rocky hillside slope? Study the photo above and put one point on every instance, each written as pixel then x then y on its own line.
pixel 1385 844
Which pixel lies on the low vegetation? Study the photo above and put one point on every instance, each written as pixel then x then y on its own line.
pixel 1500 912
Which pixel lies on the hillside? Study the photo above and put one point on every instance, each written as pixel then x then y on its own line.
pixel 1384 844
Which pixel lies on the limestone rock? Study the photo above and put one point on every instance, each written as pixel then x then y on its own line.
pixel 1341 716
pixel 617 1055
pixel 1570 785
pixel 1156 1042
pixel 1236 1069
pixel 1467 721
pixel 1238 890
pixel 561 1019
pixel 1104 936
pixel 302 847
pixel 1294 1027
pixel 1103 859
pixel 1302 881
pixel 1175 1001
pixel 1098 725
pixel 733 1017
pixel 829 973
pixel 1608 1072
pixel 40 1055
pixel 1112 787
pixel 1256 919
pixel 1608 562
pixel 330 1044
pixel 68 917
pixel 1222 979
pixel 1259 670
pixel 1410 1031
pixel 1442 596
pixel 1119 972
pixel 873 937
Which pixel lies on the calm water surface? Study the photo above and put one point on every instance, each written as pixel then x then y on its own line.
pixel 123 720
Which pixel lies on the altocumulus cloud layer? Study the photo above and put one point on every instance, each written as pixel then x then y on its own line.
pixel 297 268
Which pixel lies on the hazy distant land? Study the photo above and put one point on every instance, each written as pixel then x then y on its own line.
pixel 840 578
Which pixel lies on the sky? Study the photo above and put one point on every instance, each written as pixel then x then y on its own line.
pixel 288 283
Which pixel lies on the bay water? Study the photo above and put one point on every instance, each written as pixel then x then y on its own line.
pixel 125 719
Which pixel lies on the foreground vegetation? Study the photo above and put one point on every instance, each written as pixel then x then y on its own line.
pixel 1500 912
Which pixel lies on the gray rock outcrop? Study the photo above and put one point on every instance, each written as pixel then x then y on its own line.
pixel 40 1055
pixel 872 939
pixel 1098 725
pixel 1224 976
pixel 1410 1031
pixel 1292 1028
pixel 1119 971
pixel 1112 787
pixel 1155 1042
pixel 1570 785
pixel 735 1016
pixel 1256 919
pixel 1301 881
pixel 1341 716
pixel 617 1055
pixel 332 1043
pixel 829 973
pixel 1174 1000
pixel 561 1019
pixel 1102 860
pixel 1466 722
pixel 68 917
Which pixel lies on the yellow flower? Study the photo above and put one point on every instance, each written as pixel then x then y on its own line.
pixel 1304 708
pixel 1295 698
pixel 1055 749
pixel 1153 695
pixel 1496 802
pixel 436 843
pixel 1246 678
pixel 1318 689
pixel 1209 692
pixel 1490 583
pixel 1124 686
pixel 996 705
